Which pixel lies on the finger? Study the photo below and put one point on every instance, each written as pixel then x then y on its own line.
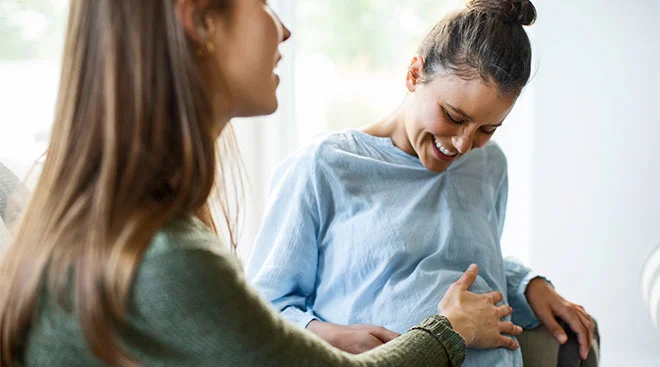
pixel 508 343
pixel 504 311
pixel 367 344
pixel 591 324
pixel 508 327
pixel 588 323
pixel 385 335
pixel 467 279
pixel 570 316
pixel 548 319
pixel 496 297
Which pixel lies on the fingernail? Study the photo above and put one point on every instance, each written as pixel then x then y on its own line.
pixel 561 338
pixel 473 267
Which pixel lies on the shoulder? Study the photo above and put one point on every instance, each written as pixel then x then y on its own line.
pixel 324 147
pixel 495 155
pixel 490 157
pixel 184 264
pixel 488 163
pixel 496 166
pixel 181 235
pixel 314 160
pixel 184 292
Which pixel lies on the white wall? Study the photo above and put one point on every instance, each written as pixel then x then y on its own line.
pixel 596 172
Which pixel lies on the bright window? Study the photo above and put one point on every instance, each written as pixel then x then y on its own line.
pixel 31 39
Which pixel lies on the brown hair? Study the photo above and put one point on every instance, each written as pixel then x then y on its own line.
pixel 133 146
pixel 487 39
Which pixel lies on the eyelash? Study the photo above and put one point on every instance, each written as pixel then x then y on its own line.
pixel 452 119
pixel 461 122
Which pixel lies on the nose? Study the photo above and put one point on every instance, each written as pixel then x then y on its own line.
pixel 463 143
pixel 286 33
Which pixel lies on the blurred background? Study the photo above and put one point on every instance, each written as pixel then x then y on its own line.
pixel 584 205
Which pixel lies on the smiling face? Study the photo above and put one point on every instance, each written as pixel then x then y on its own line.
pixel 448 116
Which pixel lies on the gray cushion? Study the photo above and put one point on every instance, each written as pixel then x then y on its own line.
pixel 13 196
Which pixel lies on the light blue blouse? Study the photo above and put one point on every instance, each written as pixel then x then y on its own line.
pixel 358 231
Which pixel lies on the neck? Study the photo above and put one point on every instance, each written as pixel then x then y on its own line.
pixel 222 113
pixel 394 127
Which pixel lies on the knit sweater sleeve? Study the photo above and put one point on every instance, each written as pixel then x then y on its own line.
pixel 193 307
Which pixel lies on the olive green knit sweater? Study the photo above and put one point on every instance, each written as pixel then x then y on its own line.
pixel 190 306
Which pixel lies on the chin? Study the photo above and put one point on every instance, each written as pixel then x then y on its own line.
pixel 268 105
pixel 259 110
pixel 273 107
pixel 434 165
pixel 437 168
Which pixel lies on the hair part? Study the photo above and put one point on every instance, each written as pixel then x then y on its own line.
pixel 484 39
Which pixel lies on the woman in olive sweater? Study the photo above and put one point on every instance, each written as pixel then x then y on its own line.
pixel 118 260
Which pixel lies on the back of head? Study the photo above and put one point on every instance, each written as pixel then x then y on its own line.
pixel 133 145
pixel 485 39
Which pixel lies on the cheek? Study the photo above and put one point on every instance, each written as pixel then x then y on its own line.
pixel 435 124
pixel 429 118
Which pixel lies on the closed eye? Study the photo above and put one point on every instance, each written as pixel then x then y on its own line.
pixel 490 130
pixel 457 122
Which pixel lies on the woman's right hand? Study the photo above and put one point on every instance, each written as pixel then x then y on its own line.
pixel 476 317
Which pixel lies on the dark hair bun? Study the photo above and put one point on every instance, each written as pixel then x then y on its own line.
pixel 522 12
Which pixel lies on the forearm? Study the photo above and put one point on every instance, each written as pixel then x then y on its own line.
pixel 432 343
pixel 200 309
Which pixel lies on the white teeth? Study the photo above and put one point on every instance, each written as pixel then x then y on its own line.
pixel 444 150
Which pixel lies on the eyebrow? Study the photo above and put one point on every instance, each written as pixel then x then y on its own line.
pixel 466 116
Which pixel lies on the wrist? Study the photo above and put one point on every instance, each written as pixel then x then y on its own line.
pixel 461 325
pixel 535 283
pixel 314 325
pixel 320 328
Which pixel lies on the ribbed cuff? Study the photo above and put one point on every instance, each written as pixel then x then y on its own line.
pixel 441 329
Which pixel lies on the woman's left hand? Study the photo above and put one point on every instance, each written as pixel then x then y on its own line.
pixel 548 305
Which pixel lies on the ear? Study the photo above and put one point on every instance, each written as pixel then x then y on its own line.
pixel 414 73
pixel 197 23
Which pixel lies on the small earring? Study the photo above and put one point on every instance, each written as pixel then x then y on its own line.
pixel 207 49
